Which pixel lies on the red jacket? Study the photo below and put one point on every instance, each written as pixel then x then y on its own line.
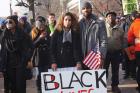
pixel 134 34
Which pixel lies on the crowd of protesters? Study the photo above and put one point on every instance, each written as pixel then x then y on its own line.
pixel 65 43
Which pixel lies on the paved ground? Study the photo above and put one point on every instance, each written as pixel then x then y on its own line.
pixel 127 86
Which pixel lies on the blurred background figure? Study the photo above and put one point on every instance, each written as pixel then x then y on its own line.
pixel 24 24
pixel 134 39
pixel 2 24
pixel 51 23
pixel 118 22
pixel 128 65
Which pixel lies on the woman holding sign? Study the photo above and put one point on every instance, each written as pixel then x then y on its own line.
pixel 65 43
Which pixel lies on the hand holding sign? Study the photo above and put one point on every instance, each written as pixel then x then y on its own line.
pixel 79 66
pixel 54 66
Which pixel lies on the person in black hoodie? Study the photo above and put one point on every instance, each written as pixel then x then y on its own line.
pixel 14 53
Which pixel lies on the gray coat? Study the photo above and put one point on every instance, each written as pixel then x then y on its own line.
pixel 91 32
pixel 115 37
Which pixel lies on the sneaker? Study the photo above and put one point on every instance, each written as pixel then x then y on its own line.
pixel 116 89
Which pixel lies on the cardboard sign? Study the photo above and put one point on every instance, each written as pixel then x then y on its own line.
pixel 83 81
pixel 129 6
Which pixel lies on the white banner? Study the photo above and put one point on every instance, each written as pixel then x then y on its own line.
pixel 83 81
pixel 63 69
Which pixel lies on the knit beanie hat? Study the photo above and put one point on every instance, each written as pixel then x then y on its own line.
pixel 24 18
pixel 86 5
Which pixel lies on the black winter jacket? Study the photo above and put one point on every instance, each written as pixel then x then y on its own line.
pixel 65 54
pixel 17 47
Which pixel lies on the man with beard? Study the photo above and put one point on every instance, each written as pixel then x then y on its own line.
pixel 92 31
pixel 14 54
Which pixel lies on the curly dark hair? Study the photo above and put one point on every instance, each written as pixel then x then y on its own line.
pixel 74 21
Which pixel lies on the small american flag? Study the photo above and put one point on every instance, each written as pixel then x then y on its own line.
pixel 93 58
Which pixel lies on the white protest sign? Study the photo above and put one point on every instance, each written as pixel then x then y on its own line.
pixel 82 81
pixel 64 69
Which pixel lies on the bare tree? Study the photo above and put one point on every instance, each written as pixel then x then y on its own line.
pixel 101 7
pixel 29 5
pixel 52 6
pixel 119 2
pixel 22 3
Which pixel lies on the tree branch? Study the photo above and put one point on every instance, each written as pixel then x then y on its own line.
pixel 23 3
pixel 18 1
pixel 98 10
pixel 119 2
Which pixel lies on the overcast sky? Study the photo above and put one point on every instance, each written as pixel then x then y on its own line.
pixel 5 8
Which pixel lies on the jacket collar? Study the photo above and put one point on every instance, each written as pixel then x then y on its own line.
pixel 114 27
